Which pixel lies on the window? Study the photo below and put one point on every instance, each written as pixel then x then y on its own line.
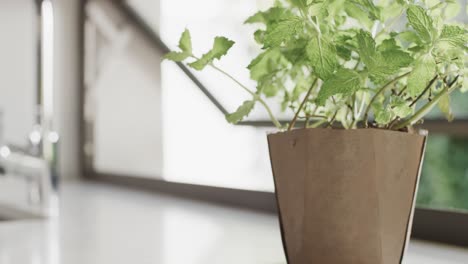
pixel 242 162
pixel 444 181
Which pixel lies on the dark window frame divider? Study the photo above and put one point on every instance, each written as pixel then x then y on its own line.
pixel 450 227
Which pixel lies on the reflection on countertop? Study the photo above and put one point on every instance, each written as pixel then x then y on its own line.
pixel 107 224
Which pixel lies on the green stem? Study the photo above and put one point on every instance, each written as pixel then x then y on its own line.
pixel 306 122
pixel 318 123
pixel 255 96
pixel 354 98
pixel 379 92
pixel 330 123
pixel 428 87
pixel 361 107
pixel 233 79
pixel 402 90
pixel 270 114
pixel 316 26
pixel 313 116
pixel 293 122
pixel 393 122
pixel 427 107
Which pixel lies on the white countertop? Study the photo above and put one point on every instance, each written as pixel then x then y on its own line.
pixel 106 224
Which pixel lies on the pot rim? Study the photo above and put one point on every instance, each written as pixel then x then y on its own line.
pixel 419 131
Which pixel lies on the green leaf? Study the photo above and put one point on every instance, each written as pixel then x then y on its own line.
pixel 421 22
pixel 360 15
pixel 176 56
pixel 366 48
pixel 322 55
pixel 258 17
pixel 344 81
pixel 452 10
pixel 394 60
pixel 383 61
pixel 270 16
pixel 259 36
pixel 318 9
pixel 401 108
pixel 343 46
pixel 372 11
pixel 454 35
pixel 452 31
pixel 410 37
pixel 221 46
pixel 387 45
pixel 185 44
pixel 270 86
pixel 383 116
pixel 283 31
pixel 391 9
pixel 302 86
pixel 423 72
pixel 388 63
pixel 241 112
pixel 295 52
pixel 343 52
pixel 266 63
pixel 444 106
pixel 302 4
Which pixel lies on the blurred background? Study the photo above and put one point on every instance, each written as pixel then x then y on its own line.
pixel 148 119
pixel 84 89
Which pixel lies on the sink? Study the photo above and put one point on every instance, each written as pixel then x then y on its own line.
pixel 9 213
pixel 14 204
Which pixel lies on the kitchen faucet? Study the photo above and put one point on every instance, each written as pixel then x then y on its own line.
pixel 36 163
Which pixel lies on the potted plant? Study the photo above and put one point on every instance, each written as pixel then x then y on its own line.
pixel 358 80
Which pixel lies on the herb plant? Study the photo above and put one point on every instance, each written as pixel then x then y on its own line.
pixel 349 63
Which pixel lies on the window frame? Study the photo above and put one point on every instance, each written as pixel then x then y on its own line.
pixel 444 226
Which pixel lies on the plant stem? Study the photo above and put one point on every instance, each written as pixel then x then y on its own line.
pixel 318 123
pixel 353 123
pixel 330 123
pixel 317 116
pixel 270 113
pixel 425 91
pixel 402 90
pixel 361 107
pixel 233 79
pixel 427 107
pixel 354 110
pixel 315 25
pixel 312 116
pixel 293 122
pixel 393 122
pixel 349 110
pixel 356 113
pixel 255 96
pixel 306 121
pixel 379 92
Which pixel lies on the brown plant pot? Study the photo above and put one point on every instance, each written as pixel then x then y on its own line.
pixel 346 196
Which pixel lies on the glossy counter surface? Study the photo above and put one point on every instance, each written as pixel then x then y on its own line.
pixel 107 224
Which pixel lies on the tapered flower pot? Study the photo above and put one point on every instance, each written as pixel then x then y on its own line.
pixel 346 196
